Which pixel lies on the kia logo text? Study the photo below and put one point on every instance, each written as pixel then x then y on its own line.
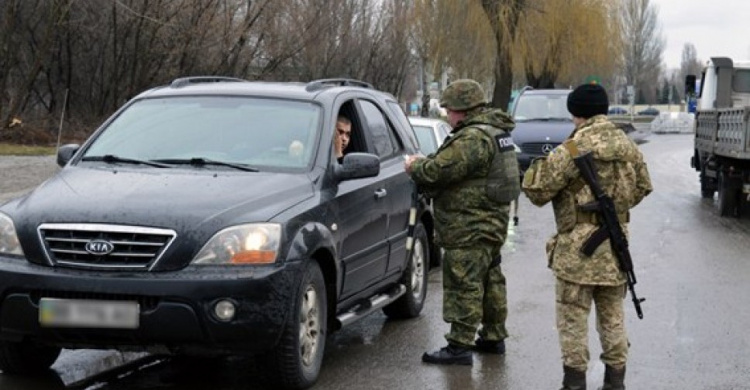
pixel 99 247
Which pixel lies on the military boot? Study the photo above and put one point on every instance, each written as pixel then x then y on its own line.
pixel 614 379
pixel 573 379
pixel 452 354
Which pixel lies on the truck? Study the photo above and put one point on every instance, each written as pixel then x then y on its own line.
pixel 721 152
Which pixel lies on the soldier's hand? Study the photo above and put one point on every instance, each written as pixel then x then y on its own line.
pixel 409 160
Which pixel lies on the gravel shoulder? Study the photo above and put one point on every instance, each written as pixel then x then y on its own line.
pixel 20 174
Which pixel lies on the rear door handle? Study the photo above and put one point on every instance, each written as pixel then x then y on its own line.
pixel 381 193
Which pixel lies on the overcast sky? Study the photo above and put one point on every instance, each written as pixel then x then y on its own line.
pixel 714 27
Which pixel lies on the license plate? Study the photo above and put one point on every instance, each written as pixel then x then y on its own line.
pixel 79 313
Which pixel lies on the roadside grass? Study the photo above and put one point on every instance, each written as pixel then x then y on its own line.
pixel 25 150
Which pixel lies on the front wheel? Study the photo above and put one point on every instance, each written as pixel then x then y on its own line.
pixel 415 279
pixel 26 358
pixel 295 362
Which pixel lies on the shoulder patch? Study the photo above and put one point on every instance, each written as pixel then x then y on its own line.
pixel 572 147
pixel 504 142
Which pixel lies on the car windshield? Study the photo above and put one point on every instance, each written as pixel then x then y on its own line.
pixel 246 132
pixel 542 107
pixel 426 137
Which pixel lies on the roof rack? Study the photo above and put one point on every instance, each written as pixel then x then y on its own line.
pixel 183 81
pixel 341 82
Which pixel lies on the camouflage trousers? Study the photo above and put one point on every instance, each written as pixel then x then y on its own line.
pixel 474 294
pixel 573 308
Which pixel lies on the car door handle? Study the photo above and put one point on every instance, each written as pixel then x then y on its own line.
pixel 381 193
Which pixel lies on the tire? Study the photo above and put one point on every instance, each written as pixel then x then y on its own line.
pixel 415 279
pixel 728 197
pixel 295 362
pixel 25 358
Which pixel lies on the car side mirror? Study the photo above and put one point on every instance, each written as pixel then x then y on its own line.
pixel 65 153
pixel 357 166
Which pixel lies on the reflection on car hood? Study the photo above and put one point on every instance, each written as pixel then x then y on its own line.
pixel 180 200
pixel 542 131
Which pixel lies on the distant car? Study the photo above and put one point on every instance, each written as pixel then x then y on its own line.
pixel 430 133
pixel 649 111
pixel 617 111
pixel 542 122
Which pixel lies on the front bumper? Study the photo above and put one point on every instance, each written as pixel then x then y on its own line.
pixel 176 308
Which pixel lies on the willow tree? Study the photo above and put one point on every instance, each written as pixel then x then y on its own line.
pixel 503 16
pixel 567 40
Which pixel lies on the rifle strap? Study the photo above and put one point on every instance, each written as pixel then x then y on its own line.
pixel 597 238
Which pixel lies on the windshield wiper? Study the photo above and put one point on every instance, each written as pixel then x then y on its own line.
pixel 200 162
pixel 111 158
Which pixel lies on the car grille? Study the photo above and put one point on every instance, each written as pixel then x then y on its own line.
pixel 536 148
pixel 126 247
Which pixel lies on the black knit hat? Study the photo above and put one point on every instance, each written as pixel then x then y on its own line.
pixel 588 100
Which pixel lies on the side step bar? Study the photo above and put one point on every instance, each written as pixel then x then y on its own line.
pixel 370 305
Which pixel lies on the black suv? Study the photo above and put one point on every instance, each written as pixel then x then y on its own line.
pixel 211 217
pixel 542 122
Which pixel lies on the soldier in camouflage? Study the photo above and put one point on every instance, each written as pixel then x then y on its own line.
pixel 582 280
pixel 471 225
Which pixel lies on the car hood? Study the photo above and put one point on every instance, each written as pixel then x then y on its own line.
pixel 554 131
pixel 181 200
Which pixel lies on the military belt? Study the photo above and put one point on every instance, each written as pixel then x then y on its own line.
pixel 593 218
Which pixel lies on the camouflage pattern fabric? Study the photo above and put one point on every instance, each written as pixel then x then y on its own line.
pixel 473 294
pixel 573 307
pixel 463 95
pixel 623 175
pixel 464 215
pixel 470 227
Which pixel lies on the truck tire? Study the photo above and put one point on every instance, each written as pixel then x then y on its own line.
pixel 728 196
pixel 295 362
pixel 25 358
pixel 415 279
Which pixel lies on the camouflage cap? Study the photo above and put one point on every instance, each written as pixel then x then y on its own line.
pixel 463 95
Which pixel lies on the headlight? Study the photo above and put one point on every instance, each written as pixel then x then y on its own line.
pixel 255 243
pixel 8 238
pixel 516 148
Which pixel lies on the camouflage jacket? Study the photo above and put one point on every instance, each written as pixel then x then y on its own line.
pixel 622 174
pixel 464 215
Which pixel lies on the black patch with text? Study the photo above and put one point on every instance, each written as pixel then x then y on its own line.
pixel 504 142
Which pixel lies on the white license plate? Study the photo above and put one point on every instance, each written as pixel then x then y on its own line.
pixel 79 313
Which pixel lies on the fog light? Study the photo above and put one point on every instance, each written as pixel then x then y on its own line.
pixel 225 310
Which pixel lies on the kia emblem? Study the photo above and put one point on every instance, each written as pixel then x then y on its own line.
pixel 99 247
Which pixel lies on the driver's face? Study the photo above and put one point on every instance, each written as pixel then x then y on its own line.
pixel 343 134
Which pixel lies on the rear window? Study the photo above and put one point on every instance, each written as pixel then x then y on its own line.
pixel 426 137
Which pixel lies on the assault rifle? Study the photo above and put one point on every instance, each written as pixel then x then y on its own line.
pixel 605 209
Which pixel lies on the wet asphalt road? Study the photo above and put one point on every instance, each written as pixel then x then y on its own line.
pixel 693 268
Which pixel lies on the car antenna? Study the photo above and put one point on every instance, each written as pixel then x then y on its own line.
pixel 62 117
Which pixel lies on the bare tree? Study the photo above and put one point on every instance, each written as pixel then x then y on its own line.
pixel 643 46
